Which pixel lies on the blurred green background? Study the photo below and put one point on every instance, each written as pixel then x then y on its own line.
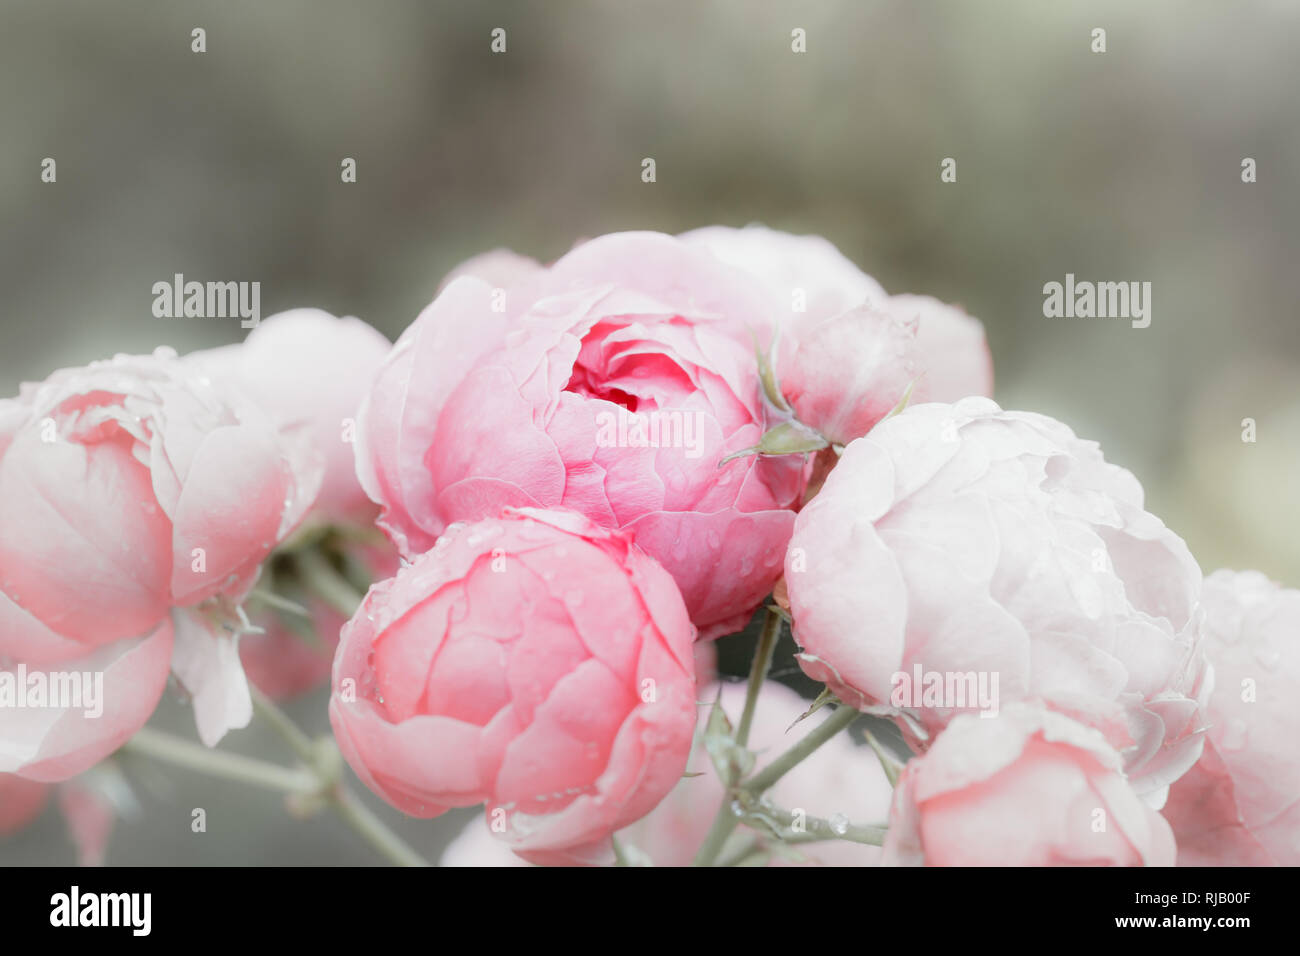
pixel 1117 166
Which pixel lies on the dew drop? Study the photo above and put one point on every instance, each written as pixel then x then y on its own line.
pixel 839 824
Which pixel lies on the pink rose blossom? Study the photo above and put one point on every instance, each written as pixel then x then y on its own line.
pixel 1027 788
pixel 1240 804
pixel 614 383
pixel 534 662
pixel 965 540
pixel 128 488
pixel 132 486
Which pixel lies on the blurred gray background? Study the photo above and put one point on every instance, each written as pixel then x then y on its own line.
pixel 1117 166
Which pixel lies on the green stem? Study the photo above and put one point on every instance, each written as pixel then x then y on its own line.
pixel 817 830
pixel 279 721
pixel 762 663
pixel 620 856
pixel 373 830
pixel 279 603
pixel 218 763
pixel 324 759
pixel 724 824
pixel 783 764
pixel 326 583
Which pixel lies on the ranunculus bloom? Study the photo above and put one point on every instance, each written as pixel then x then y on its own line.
pixel 309 371
pixel 612 383
pixel 838 778
pixel 849 351
pixel 21 802
pixel 1240 804
pixel 1027 788
pixel 534 662
pixel 965 540
pixel 128 488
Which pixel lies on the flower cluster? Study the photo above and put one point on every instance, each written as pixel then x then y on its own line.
pixel 561 484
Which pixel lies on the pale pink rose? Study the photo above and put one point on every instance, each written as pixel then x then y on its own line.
pixel 1027 788
pixel 21 802
pixel 128 488
pixel 965 540
pixel 845 373
pixel 805 278
pixel 309 372
pixel 613 383
pixel 500 268
pixel 838 778
pixel 534 662
pixel 1240 804
pixel 132 486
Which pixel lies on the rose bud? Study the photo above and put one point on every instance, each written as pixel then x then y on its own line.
pixel 534 662
pixel 309 371
pixel 849 352
pixel 1240 804
pixel 615 383
pixel 846 373
pixel 1027 788
pixel 960 555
